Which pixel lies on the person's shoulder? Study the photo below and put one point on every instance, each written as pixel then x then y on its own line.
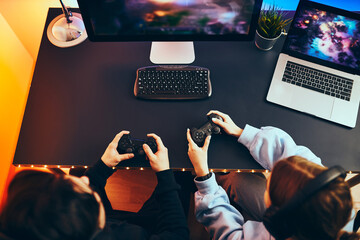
pixel 121 230
pixel 255 230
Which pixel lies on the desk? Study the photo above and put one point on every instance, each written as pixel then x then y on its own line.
pixel 81 97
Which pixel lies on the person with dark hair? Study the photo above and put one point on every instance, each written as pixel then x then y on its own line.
pixel 47 206
pixel 234 205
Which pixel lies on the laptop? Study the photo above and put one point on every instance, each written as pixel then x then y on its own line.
pixel 318 69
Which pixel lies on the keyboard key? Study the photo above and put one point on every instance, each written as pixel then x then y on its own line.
pixel 173 82
pixel 318 81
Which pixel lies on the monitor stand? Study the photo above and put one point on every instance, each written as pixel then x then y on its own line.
pixel 172 52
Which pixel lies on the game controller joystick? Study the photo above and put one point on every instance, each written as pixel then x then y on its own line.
pixel 135 146
pixel 209 128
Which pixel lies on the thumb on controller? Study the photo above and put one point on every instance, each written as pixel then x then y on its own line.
pixel 149 153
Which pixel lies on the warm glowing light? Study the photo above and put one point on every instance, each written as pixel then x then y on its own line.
pixel 85 167
pixel 127 168
pixel 253 171
pixel 211 170
pixel 238 170
pixel 160 13
pixel 32 165
pixel 266 171
pixel 350 172
pixel 183 169
pixel 315 17
pixel 141 169
pixel 113 167
pixel 162 1
pixel 307 21
pixel 224 170
pixel 45 166
pixel 72 166
pixel 58 166
pixel 19 165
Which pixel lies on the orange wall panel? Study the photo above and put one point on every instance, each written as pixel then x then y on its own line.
pixel 16 68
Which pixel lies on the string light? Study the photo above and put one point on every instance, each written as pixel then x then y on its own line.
pixel 211 170
pixel 183 169
pixel 58 166
pixel 19 165
pixel 113 167
pixel 72 166
pixel 238 170
pixel 127 168
pixel 141 168
pixel 45 166
pixel 32 165
pixel 266 171
pixel 85 167
pixel 253 171
pixel 224 170
pixel 350 172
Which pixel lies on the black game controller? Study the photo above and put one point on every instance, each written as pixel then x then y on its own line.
pixel 135 146
pixel 209 128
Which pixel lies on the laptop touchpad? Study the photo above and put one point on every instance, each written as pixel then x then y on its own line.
pixel 312 102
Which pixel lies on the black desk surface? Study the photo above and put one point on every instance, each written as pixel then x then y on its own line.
pixel 82 96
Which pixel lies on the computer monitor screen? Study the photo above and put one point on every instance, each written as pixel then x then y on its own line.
pixel 170 20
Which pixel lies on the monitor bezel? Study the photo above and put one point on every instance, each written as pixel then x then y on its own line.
pixel 124 38
pixel 338 11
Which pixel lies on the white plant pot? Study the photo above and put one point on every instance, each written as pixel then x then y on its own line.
pixel 264 43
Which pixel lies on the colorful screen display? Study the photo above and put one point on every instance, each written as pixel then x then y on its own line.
pixel 326 36
pixel 171 17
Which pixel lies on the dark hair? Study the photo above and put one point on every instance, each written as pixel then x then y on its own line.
pixel 325 213
pixel 42 205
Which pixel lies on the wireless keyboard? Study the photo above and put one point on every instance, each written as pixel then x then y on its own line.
pixel 172 82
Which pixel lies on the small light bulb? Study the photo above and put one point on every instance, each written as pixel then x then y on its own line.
pixel 253 171
pixel 32 165
pixel 211 170
pixel 113 167
pixel 45 166
pixel 19 165
pixel 141 169
pixel 72 166
pixel 238 170
pixel 127 168
pixel 85 167
pixel 183 169
pixel 58 166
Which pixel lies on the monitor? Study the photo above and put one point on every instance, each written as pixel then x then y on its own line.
pixel 171 25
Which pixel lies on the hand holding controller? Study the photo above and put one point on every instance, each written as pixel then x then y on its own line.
pixel 135 146
pixel 209 128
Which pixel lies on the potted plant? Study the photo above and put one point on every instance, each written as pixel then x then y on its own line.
pixel 271 26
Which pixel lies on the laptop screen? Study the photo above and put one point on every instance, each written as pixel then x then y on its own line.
pixel 325 33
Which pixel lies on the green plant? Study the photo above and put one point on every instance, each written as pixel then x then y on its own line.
pixel 272 21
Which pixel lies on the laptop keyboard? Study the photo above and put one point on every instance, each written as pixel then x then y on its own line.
pixel 319 81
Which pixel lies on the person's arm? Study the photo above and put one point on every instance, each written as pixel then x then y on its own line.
pixel 212 205
pixel 267 145
pixel 172 222
pixel 102 169
pixel 214 211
